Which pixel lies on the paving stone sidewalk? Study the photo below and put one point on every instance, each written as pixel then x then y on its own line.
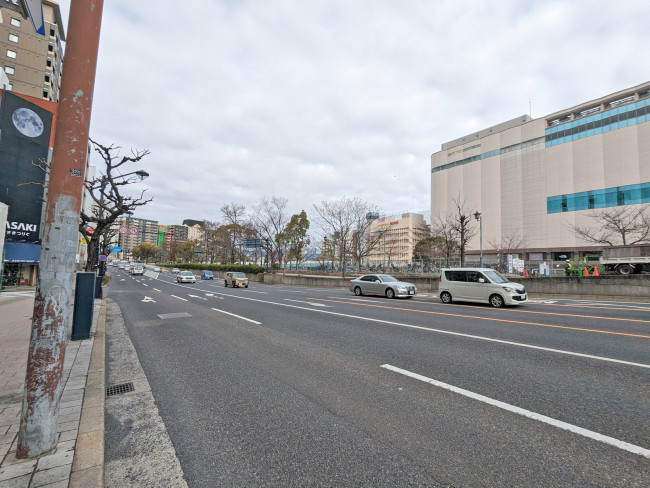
pixel 77 460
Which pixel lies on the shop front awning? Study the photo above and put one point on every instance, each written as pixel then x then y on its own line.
pixel 21 252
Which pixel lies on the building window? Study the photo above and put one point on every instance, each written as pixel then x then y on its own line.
pixel 10 70
pixel 13 37
pixel 45 94
pixel 11 54
pixel 52 32
pixel 47 78
pixel 49 63
pixel 9 87
pixel 15 22
pixel 50 48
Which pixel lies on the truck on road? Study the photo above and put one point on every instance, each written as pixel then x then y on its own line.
pixel 626 260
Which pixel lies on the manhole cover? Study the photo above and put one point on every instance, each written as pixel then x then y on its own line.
pixel 119 389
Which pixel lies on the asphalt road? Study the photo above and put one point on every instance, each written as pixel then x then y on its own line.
pixel 281 386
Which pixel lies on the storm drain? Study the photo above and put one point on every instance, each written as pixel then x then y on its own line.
pixel 119 389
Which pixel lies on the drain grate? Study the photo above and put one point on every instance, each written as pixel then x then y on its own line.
pixel 119 389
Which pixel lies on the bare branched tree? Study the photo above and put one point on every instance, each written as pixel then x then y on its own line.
pixel 462 223
pixel 509 244
pixel 270 219
pixel 442 229
pixel 617 225
pixel 108 201
pixel 341 220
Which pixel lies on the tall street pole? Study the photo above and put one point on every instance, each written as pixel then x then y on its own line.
pixel 43 382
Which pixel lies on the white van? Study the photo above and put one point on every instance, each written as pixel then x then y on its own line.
pixel 482 285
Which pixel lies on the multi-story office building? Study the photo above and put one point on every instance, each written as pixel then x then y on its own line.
pixel 32 62
pixel 538 178
pixel 396 236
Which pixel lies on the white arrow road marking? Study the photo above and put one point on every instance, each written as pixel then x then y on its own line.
pixel 149 299
pixel 314 304
pixel 238 316
pixel 526 413
pixel 196 296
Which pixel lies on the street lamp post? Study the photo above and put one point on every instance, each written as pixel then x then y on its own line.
pixel 479 217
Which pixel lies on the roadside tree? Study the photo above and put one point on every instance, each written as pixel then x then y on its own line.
pixel 146 251
pixel 613 226
pixel 108 201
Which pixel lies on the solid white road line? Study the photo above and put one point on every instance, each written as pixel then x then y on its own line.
pixel 184 299
pixel 527 413
pixel 313 304
pixel 238 316
pixel 458 334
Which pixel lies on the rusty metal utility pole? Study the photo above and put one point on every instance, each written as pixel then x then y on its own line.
pixel 43 383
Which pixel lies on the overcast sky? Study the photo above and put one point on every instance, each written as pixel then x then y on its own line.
pixel 316 100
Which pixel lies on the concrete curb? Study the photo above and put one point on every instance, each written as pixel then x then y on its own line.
pixel 88 463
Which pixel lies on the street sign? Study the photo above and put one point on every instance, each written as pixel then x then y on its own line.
pixel 133 231
pixel 102 257
pixel 123 230
pixel 115 249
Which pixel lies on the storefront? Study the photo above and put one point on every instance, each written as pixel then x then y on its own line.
pixel 20 264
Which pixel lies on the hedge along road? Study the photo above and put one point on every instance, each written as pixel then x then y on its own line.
pixel 302 395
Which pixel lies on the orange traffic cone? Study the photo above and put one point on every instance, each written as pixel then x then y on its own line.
pixel 526 273
pixel 586 273
pixel 596 271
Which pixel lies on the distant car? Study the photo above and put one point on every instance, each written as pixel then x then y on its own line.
pixel 157 269
pixel 186 277
pixel 176 270
pixel 236 279
pixel 207 275
pixel 137 270
pixel 382 284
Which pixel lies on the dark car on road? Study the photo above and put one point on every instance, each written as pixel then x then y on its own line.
pixel 207 275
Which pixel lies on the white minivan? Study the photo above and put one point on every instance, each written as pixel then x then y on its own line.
pixel 482 285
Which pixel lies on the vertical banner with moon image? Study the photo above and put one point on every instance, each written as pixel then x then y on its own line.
pixel 24 142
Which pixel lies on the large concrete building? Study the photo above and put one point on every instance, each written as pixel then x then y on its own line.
pixel 138 231
pixel 396 236
pixel 32 62
pixel 536 178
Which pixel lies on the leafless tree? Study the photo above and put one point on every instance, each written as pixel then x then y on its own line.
pixel 269 219
pixel 343 219
pixel 617 225
pixel 509 244
pixel 462 223
pixel 442 228
pixel 108 202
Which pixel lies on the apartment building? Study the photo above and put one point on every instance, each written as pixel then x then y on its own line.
pixel 33 63
pixel 397 236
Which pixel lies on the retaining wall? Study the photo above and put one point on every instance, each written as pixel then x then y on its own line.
pixel 634 288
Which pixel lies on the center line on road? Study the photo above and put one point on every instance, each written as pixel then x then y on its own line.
pixel 508 321
pixel 238 316
pixel 458 334
pixel 526 413
pixel 184 299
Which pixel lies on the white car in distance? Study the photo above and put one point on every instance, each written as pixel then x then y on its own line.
pixel 186 277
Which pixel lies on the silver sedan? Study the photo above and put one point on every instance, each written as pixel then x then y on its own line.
pixel 186 277
pixel 382 284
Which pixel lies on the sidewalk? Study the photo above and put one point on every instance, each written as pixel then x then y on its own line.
pixel 78 459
